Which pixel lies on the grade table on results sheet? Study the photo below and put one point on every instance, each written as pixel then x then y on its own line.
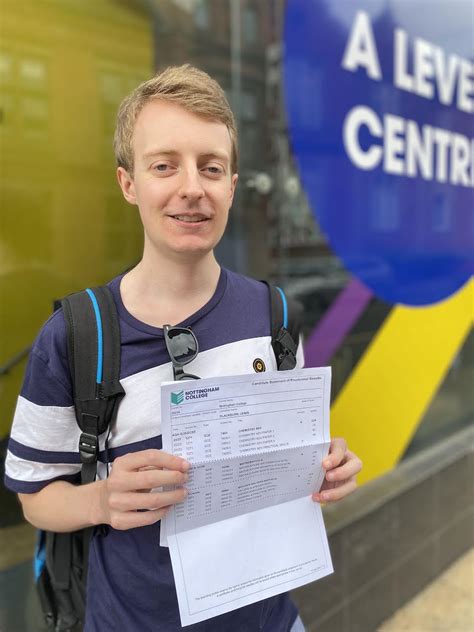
pixel 236 426
pixel 222 489
pixel 250 450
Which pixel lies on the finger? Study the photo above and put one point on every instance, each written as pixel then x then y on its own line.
pixel 351 467
pixel 133 519
pixel 125 481
pixel 337 493
pixel 133 501
pixel 337 451
pixel 152 478
pixel 147 458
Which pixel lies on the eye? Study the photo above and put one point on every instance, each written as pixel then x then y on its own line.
pixel 164 168
pixel 214 170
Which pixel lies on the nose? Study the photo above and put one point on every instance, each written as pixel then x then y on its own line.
pixel 191 187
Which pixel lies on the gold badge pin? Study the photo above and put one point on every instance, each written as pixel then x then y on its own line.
pixel 258 365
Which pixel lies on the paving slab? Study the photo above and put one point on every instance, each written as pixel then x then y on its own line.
pixel 446 604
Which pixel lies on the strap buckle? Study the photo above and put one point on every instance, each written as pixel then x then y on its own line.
pixel 88 447
pixel 287 350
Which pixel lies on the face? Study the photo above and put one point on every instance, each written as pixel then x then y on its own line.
pixel 182 181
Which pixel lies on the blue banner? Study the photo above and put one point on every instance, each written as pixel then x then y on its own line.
pixel 380 103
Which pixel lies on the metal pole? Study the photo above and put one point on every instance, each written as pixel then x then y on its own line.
pixel 236 87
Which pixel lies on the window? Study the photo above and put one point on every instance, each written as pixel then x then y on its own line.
pixel 250 26
pixel 201 14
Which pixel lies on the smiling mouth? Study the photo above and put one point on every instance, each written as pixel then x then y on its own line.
pixel 194 219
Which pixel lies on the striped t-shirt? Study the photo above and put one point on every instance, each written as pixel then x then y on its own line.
pixel 130 580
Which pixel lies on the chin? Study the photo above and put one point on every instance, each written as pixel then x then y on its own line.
pixel 193 250
pixel 194 244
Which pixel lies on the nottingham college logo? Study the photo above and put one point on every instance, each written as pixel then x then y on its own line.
pixel 177 398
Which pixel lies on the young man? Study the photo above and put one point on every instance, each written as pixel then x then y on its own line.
pixel 176 150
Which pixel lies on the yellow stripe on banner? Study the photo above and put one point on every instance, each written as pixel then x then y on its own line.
pixel 383 401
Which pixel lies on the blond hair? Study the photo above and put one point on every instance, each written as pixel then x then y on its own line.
pixel 185 85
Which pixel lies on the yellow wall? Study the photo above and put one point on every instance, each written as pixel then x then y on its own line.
pixel 64 67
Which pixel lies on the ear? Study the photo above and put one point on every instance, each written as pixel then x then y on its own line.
pixel 127 185
pixel 233 184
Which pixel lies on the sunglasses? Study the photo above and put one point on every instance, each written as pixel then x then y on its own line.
pixel 182 346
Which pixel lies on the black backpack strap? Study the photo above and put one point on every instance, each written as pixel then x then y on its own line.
pixel 93 347
pixel 63 612
pixel 286 323
pixel 93 341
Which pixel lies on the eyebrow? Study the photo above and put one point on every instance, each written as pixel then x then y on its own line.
pixel 159 152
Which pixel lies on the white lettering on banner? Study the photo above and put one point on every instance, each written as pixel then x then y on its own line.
pixel 424 68
pixel 394 145
pixel 401 77
pixel 370 158
pixel 361 51
pixel 442 138
pixel 466 86
pixel 401 146
pixel 420 151
pixel 433 67
pixel 430 152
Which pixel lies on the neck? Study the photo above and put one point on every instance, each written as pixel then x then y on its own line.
pixel 160 291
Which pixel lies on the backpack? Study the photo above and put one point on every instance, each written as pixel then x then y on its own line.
pixel 93 345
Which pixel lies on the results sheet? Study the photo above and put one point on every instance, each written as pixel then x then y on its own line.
pixel 256 444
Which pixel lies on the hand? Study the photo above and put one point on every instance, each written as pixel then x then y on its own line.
pixel 128 488
pixel 341 467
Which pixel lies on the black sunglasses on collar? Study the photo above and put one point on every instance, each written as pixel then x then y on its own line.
pixel 182 347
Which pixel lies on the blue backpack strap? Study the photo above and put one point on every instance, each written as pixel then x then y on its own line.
pixel 285 327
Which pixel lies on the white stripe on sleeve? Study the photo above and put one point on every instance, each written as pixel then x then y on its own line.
pixel 32 471
pixel 51 428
